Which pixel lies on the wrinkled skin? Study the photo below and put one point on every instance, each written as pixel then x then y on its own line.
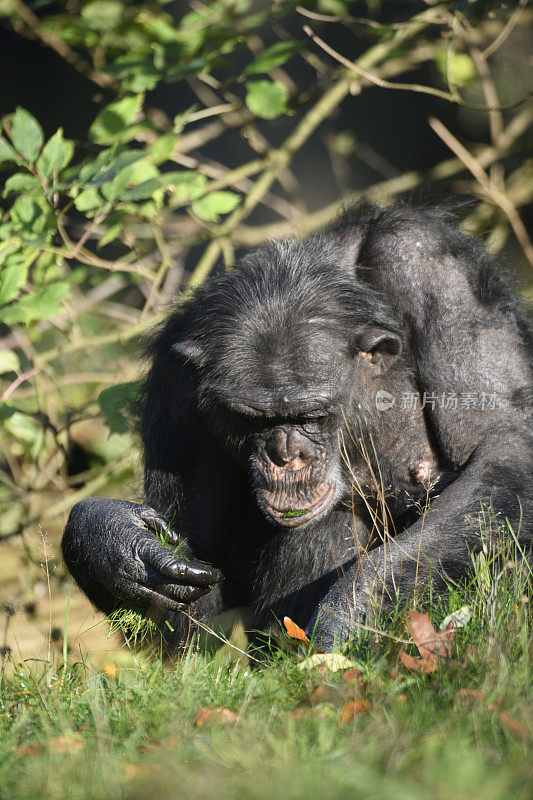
pixel 270 438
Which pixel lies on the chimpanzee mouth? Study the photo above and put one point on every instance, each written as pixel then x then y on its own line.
pixel 293 518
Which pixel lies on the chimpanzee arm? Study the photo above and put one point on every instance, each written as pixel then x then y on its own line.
pixel 469 343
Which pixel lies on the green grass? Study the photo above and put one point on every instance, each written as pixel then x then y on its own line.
pixel 133 735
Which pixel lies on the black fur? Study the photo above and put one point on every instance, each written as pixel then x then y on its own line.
pixel 260 408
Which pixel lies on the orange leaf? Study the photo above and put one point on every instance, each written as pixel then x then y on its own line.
pixel 431 644
pixel 351 710
pixel 335 695
pixel 518 729
pixel 417 664
pixel 354 679
pixel 110 670
pixel 60 745
pixel 216 715
pixel 31 749
pixel 65 744
pixel 476 694
pixel 294 631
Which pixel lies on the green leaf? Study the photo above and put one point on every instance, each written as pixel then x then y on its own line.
pixel 21 182
pixel 116 188
pixel 26 134
pixel 163 148
pixel 56 154
pixel 458 67
pixel 274 56
pixel 213 205
pixel 266 99
pixel 115 118
pixel 107 164
pixel 6 151
pixel 39 305
pixel 88 200
pixel 103 15
pixel 110 235
pixel 21 426
pixel 116 403
pixel 186 185
pixel 9 361
pixel 143 191
pixel 11 279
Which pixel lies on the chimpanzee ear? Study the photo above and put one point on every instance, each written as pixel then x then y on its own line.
pixel 190 351
pixel 382 347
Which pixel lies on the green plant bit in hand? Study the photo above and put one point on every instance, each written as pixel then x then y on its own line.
pixel 294 514
pixel 132 624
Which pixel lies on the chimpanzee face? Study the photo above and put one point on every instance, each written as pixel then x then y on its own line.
pixel 278 400
pixel 289 423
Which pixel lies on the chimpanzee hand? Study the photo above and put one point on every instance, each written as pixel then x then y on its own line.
pixel 111 548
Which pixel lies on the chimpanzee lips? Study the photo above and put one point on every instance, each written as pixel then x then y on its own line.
pixel 292 518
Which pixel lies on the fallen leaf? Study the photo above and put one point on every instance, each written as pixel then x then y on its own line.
pixel 417 664
pixel 518 729
pixel 131 771
pixel 495 704
pixel 328 694
pixel 353 709
pixel 110 670
pixel 432 645
pixel 333 661
pixel 402 698
pixel 216 715
pixel 476 694
pixel 461 617
pixel 31 749
pixel 354 679
pixel 62 745
pixel 294 631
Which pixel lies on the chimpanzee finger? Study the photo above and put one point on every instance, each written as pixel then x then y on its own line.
pixel 140 593
pixel 191 573
pixel 159 524
pixel 181 594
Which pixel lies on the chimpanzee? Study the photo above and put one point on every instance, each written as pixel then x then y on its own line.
pixel 328 423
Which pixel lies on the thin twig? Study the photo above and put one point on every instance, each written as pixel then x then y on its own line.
pixel 497 196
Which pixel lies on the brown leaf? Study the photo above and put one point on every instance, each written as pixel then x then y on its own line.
pixel 31 749
pixel 328 694
pixel 216 715
pixel 353 709
pixel 65 744
pixel 518 729
pixel 402 698
pixel 294 631
pixel 417 664
pixel 476 694
pixel 61 745
pixel 354 679
pixel 432 645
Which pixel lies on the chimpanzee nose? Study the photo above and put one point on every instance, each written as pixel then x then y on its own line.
pixel 290 449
